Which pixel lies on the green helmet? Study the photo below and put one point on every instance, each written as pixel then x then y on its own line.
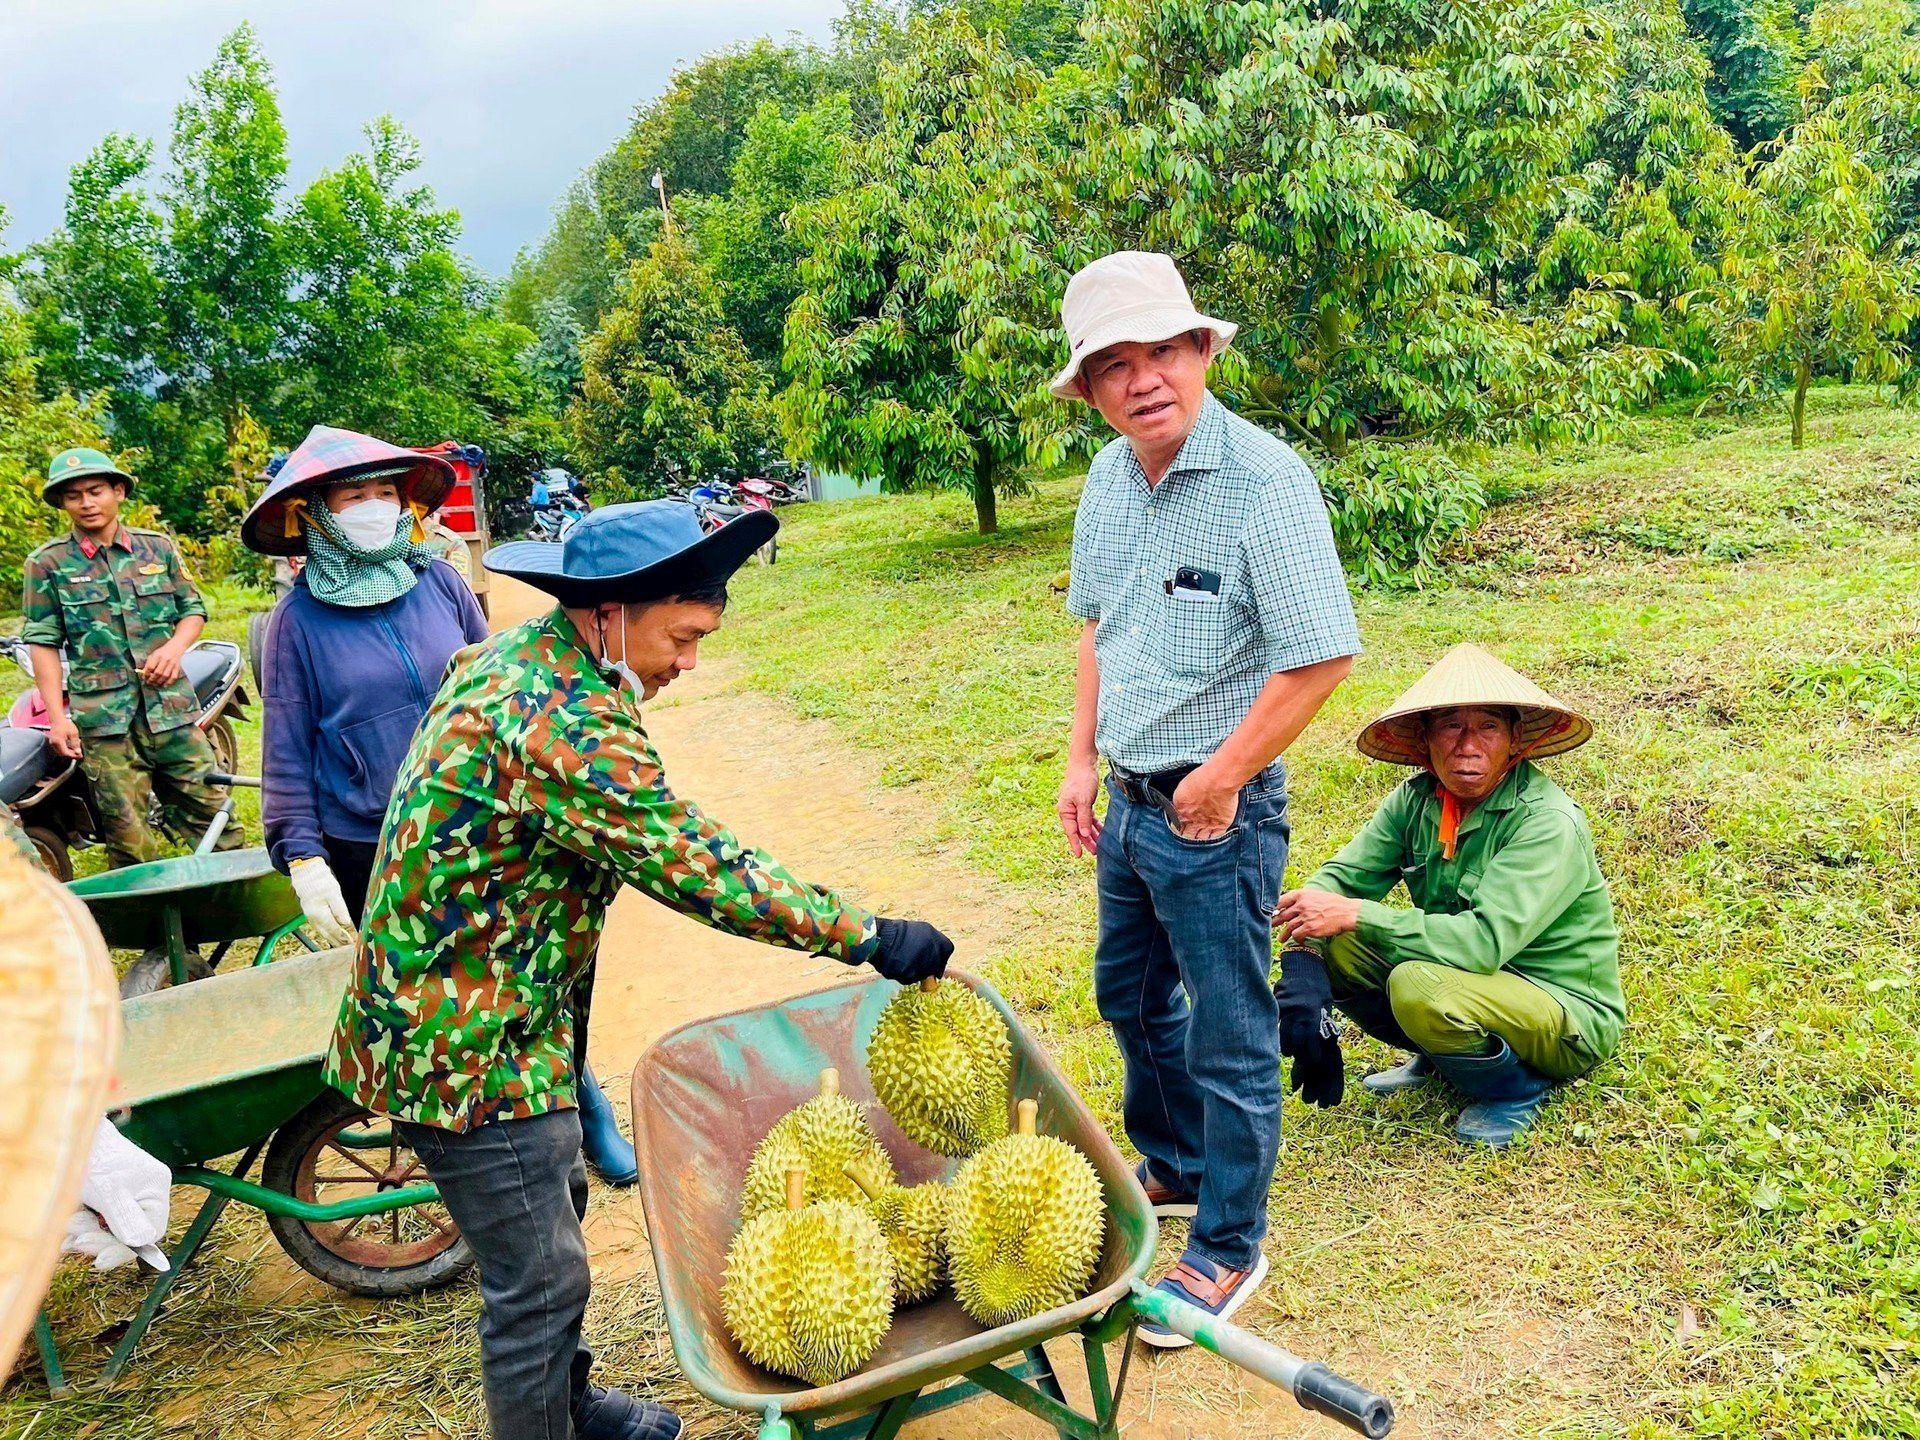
pixel 77 464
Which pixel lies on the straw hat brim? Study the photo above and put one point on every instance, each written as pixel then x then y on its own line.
pixel 422 480
pixel 1146 326
pixel 1468 675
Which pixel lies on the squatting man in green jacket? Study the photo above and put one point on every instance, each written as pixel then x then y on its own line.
pixel 1504 976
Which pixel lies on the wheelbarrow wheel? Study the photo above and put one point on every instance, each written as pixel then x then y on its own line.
pixel 151 972
pixel 335 1150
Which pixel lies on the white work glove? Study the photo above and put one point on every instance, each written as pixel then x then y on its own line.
pixel 87 1236
pixel 320 898
pixel 126 1194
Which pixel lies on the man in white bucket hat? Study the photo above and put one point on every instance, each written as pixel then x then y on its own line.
pixel 1217 625
pixel 1504 976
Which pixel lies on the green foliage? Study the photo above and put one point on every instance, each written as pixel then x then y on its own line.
pixel 31 430
pixel 1751 44
pixel 1396 509
pixel 906 349
pixel 1813 288
pixel 669 393
pixel 745 237
pixel 226 267
pixel 1356 184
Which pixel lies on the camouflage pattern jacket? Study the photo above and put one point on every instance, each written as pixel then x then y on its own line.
pixel 111 606
pixel 530 796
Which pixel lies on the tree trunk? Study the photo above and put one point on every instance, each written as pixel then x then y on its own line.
pixel 1802 378
pixel 986 506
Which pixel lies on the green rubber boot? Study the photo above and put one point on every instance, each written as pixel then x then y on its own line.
pixel 1506 1094
pixel 1410 1074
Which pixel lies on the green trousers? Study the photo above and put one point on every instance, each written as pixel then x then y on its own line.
pixel 124 770
pixel 1443 1011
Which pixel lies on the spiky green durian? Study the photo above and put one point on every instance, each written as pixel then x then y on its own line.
pixel 939 1058
pixel 822 1137
pixel 809 1290
pixel 1024 1222
pixel 914 1220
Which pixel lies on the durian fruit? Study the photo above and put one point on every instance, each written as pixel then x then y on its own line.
pixel 1024 1224
pixel 809 1288
pixel 939 1058
pixel 822 1137
pixel 914 1220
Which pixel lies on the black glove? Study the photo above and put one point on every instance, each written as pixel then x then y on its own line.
pixel 911 951
pixel 1308 1033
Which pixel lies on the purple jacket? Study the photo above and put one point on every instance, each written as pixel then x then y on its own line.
pixel 344 691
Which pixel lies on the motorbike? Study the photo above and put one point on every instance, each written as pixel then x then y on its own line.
pixel 49 791
pixel 563 512
pixel 713 515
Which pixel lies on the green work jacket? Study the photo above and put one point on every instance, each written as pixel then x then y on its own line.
pixel 110 606
pixel 1522 893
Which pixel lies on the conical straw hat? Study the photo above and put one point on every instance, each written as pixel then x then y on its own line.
pixel 63 1034
pixel 1468 675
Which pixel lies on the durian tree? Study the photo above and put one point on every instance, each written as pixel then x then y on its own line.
pixel 920 332
pixel 1813 286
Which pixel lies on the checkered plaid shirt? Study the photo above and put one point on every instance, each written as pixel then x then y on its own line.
pixel 1180 668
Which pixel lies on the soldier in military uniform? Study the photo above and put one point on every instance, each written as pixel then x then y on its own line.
pixel 122 604
pixel 530 796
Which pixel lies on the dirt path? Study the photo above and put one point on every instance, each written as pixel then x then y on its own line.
pixel 790 786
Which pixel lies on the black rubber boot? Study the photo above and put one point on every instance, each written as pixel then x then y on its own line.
pixel 1506 1094
pixel 608 1151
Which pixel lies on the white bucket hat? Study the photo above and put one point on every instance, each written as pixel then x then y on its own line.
pixel 1135 295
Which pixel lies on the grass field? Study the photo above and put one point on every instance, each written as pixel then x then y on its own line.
pixel 1717 1234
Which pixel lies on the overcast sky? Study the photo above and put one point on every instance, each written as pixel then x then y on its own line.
pixel 510 98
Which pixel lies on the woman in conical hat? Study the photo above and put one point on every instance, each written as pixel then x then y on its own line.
pixel 1503 976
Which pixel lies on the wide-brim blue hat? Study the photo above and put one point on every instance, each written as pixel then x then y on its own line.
pixel 646 550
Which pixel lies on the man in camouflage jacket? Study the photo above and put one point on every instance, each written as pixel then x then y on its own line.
pixel 530 796
pixel 121 603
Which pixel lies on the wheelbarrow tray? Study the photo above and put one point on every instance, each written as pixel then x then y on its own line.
pixel 705 1095
pixel 213 1067
pixel 225 895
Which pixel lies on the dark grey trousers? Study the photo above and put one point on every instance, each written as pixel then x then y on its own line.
pixel 518 1189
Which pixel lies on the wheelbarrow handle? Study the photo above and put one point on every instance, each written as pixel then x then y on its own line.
pixel 773 1427
pixel 224 777
pixel 1309 1382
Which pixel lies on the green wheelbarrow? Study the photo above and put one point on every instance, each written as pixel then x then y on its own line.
pixel 704 1095
pixel 233 1064
pixel 169 909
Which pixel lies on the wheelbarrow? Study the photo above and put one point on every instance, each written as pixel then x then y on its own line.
pixel 168 909
pixel 233 1064
pixel 704 1095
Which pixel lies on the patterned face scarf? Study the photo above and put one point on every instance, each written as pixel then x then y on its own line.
pixel 343 573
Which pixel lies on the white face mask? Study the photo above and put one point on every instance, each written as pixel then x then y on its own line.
pixel 370 524
pixel 620 667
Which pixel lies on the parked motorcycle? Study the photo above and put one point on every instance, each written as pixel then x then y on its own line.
pixel 562 513
pixel 712 516
pixel 50 791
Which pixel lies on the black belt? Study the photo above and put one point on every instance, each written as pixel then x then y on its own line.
pixel 1149 789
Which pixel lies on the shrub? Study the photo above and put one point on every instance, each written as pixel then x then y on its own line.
pixel 1396 508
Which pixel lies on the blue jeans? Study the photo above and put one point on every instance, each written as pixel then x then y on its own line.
pixel 1182 974
pixel 518 1189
